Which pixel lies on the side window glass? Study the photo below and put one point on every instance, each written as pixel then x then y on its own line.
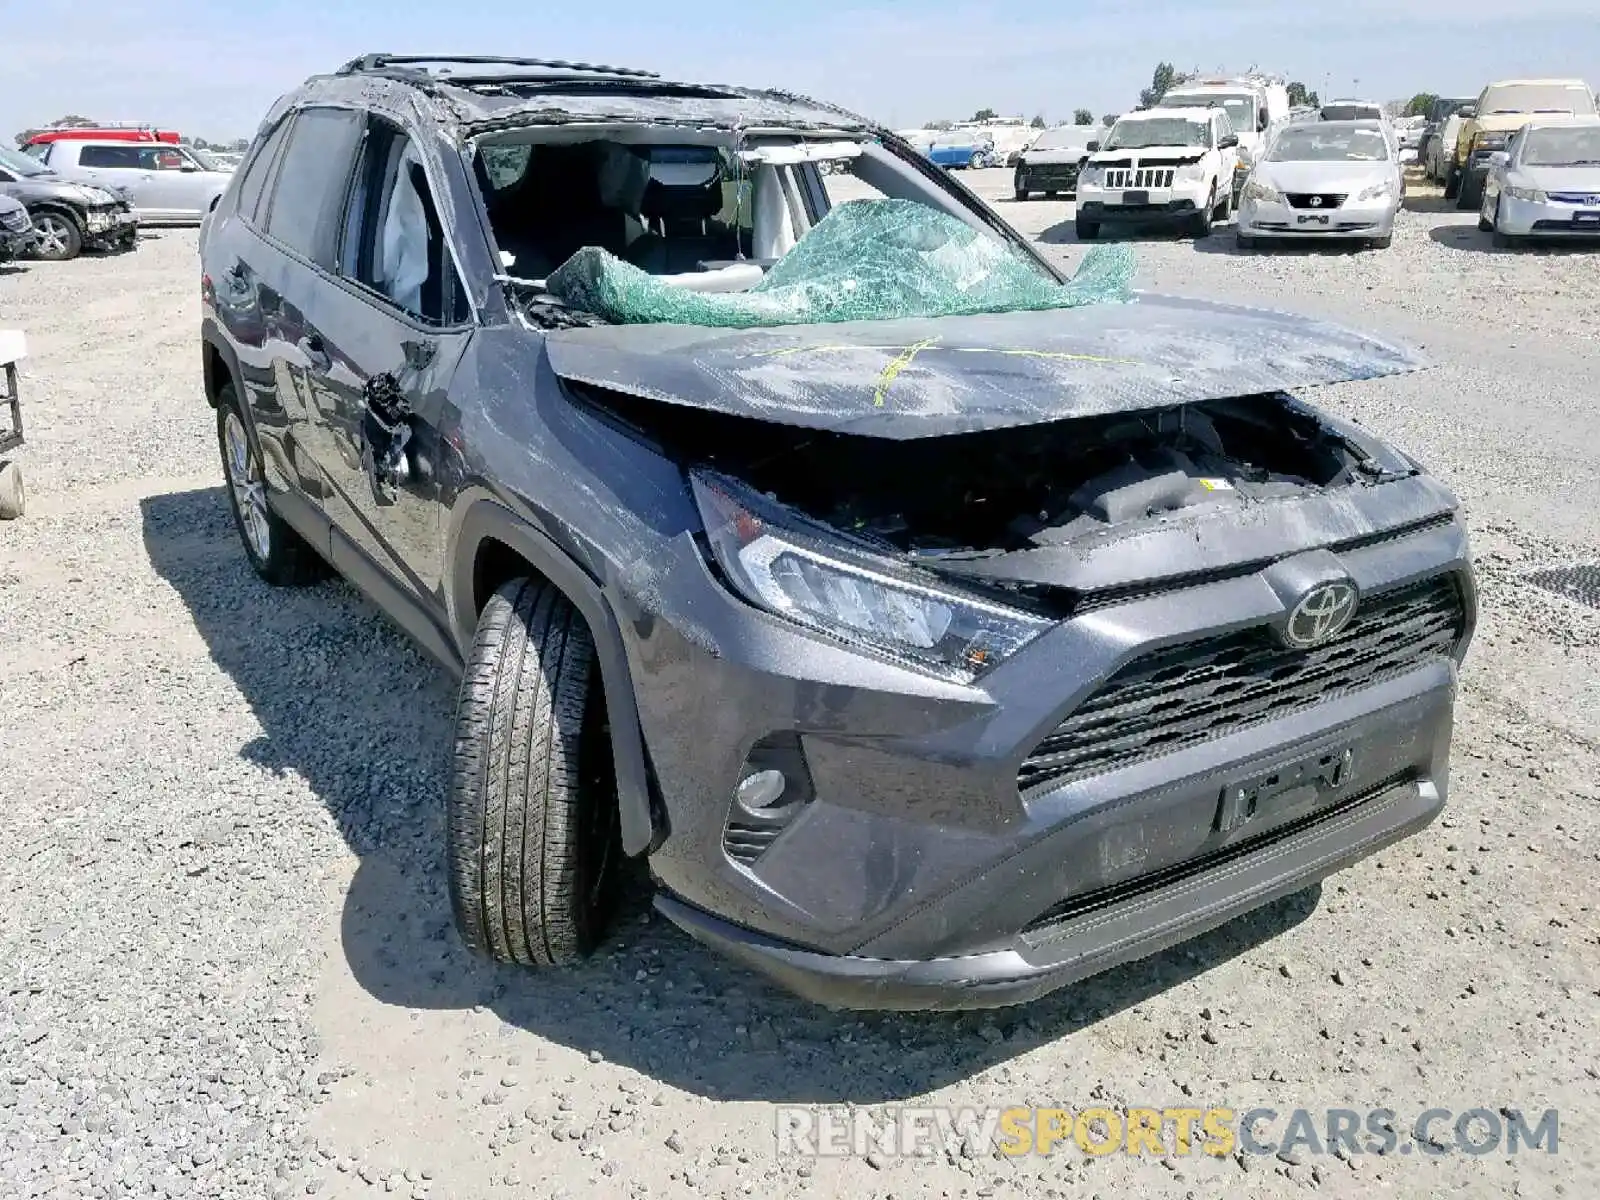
pixel 395 244
pixel 312 179
pixel 126 157
pixel 256 173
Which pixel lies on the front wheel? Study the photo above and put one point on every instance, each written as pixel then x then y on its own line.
pixel 1452 182
pixel 1202 221
pixel 59 237
pixel 1502 241
pixel 1382 243
pixel 532 822
pixel 1087 230
pixel 276 552
pixel 1244 241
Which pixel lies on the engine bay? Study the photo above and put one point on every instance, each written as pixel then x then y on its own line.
pixel 1016 488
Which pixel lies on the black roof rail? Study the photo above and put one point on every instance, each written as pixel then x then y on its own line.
pixel 379 62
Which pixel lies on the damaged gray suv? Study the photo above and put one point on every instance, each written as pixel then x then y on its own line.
pixel 938 629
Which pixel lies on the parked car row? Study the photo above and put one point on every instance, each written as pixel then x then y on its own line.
pixel 65 216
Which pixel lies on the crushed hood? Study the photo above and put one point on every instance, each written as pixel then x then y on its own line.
pixel 930 377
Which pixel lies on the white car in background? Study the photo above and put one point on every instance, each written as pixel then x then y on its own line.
pixel 1545 183
pixel 1441 152
pixel 1168 165
pixel 1324 179
pixel 164 182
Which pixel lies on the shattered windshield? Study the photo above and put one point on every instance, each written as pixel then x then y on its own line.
pixel 1157 131
pixel 866 260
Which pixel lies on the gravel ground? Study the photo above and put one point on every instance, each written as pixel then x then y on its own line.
pixel 225 945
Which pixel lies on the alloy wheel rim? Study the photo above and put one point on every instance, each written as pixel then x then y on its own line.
pixel 52 234
pixel 249 493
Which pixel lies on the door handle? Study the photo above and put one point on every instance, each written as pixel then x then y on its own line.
pixel 386 437
pixel 315 350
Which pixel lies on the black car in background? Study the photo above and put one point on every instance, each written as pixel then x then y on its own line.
pixel 67 217
pixel 16 229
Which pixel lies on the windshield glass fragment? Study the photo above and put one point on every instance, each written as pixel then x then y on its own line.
pixel 866 260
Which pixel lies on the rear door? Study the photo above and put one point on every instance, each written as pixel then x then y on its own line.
pixel 403 322
pixel 290 271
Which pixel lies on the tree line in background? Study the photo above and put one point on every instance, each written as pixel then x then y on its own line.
pixel 74 121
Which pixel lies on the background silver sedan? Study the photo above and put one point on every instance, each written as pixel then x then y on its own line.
pixel 1545 183
pixel 1324 179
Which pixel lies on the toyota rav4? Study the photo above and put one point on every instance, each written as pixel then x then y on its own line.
pixel 939 630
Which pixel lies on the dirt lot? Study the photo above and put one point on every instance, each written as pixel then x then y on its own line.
pixel 225 945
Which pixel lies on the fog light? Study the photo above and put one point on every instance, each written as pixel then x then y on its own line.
pixel 760 791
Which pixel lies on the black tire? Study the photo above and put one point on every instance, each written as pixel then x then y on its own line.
pixel 1087 230
pixel 1244 241
pixel 1502 241
pixel 1201 223
pixel 59 236
pixel 1051 195
pixel 1469 195
pixel 1382 243
pixel 277 553
pixel 1484 224
pixel 1452 182
pixel 533 847
pixel 1022 194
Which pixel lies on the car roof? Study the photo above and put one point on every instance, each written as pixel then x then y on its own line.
pixel 1193 114
pixel 478 95
pixel 1539 82
pixel 1560 121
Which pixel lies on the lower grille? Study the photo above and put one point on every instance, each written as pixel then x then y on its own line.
pixel 1316 199
pixel 1142 177
pixel 1585 199
pixel 744 842
pixel 1188 694
pixel 15 221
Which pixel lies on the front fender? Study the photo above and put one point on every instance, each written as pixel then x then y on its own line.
pixel 484 519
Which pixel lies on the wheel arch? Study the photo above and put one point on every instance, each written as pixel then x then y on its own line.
pixel 219 365
pixel 492 545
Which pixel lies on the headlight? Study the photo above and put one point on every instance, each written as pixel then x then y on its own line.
pixel 1490 141
pixel 781 562
pixel 1190 173
pixel 1523 193
pixel 1262 192
pixel 1377 191
pixel 1093 176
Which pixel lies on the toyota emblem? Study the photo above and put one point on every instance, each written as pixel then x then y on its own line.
pixel 1322 613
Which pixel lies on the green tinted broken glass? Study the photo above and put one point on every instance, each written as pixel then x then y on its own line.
pixel 866 260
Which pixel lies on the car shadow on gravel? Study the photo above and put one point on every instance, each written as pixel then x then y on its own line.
pixel 346 704
pixel 1469 237
pixel 1065 233
pixel 1225 243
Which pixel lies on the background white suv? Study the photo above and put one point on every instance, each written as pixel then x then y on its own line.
pixel 1161 165
pixel 164 182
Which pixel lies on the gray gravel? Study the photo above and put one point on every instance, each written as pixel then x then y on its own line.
pixel 225 947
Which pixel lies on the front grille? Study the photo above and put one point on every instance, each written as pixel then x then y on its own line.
pixel 1051 173
pixel 1582 199
pixel 1315 199
pixel 1184 695
pixel 1140 177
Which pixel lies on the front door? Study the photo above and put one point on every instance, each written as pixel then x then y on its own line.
pixel 397 329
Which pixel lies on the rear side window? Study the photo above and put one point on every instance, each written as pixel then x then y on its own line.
pixel 311 181
pixel 109 156
pixel 254 180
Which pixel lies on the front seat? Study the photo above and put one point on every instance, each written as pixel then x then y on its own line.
pixel 679 204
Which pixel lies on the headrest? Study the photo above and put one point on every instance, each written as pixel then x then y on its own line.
pixel 685 183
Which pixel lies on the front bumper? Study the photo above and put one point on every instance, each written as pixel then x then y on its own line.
pixel 1547 218
pixel 921 872
pixel 1047 177
pixel 1058 955
pixel 1264 218
pixel 16 243
pixel 110 226
pixel 1158 204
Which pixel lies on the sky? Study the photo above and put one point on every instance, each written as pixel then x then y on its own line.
pixel 211 70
